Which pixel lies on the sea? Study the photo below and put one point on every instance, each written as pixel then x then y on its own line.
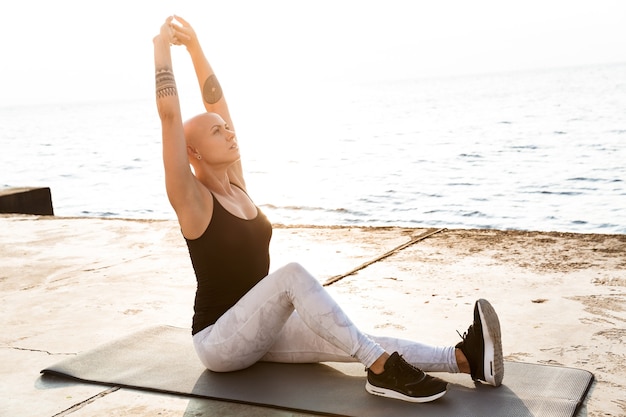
pixel 536 150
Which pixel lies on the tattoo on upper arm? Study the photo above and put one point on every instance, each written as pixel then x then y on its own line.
pixel 212 91
pixel 165 83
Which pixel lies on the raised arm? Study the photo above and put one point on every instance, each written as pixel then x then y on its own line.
pixel 182 187
pixel 210 88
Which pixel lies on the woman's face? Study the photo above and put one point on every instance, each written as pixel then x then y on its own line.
pixel 213 140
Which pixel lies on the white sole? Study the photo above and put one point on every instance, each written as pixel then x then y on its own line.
pixel 493 363
pixel 383 392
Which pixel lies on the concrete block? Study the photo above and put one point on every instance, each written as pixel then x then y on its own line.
pixel 26 201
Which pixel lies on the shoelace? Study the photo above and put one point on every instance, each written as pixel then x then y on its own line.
pixel 470 331
pixel 408 371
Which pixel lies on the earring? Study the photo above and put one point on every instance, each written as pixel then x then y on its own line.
pixel 199 157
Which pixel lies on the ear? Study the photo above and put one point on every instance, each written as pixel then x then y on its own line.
pixel 191 151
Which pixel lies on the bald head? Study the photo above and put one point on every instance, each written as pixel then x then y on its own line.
pixel 200 125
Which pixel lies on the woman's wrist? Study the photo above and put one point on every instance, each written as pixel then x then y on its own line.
pixel 160 41
pixel 194 47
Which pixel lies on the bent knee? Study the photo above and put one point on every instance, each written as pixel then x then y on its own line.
pixel 294 268
pixel 294 272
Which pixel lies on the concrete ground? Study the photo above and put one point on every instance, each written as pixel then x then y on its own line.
pixel 68 285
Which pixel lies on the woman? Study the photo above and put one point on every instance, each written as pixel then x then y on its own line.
pixel 243 315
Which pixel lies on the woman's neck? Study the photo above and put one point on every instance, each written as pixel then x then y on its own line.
pixel 216 182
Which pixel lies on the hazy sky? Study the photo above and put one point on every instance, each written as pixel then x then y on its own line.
pixel 70 50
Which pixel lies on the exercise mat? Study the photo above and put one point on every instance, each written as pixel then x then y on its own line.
pixel 162 359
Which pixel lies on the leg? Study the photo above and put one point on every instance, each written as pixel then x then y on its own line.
pixel 247 331
pixel 297 343
pixel 479 354
pixel 426 357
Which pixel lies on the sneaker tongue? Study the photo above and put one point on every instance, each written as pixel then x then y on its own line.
pixel 394 361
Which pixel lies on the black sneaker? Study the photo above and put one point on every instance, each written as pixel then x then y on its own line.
pixel 403 381
pixel 482 345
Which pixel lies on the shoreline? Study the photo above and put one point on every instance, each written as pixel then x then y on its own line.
pixel 279 225
pixel 561 296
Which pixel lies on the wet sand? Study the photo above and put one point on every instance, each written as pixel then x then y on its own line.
pixel 71 284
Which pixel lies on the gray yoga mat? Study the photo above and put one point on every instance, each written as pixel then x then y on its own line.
pixel 162 359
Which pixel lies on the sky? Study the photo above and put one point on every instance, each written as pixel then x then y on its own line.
pixel 72 51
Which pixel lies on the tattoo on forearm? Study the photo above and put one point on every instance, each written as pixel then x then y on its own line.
pixel 165 83
pixel 212 91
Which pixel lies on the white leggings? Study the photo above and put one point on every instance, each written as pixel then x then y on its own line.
pixel 289 317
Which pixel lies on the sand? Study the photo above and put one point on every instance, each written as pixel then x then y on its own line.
pixel 70 284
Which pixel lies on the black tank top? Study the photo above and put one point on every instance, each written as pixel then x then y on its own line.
pixel 230 257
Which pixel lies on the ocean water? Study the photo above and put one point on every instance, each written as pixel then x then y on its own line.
pixel 532 150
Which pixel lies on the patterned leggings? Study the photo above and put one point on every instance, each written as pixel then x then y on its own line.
pixel 289 317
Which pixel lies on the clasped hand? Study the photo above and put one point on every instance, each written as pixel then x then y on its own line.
pixel 177 31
